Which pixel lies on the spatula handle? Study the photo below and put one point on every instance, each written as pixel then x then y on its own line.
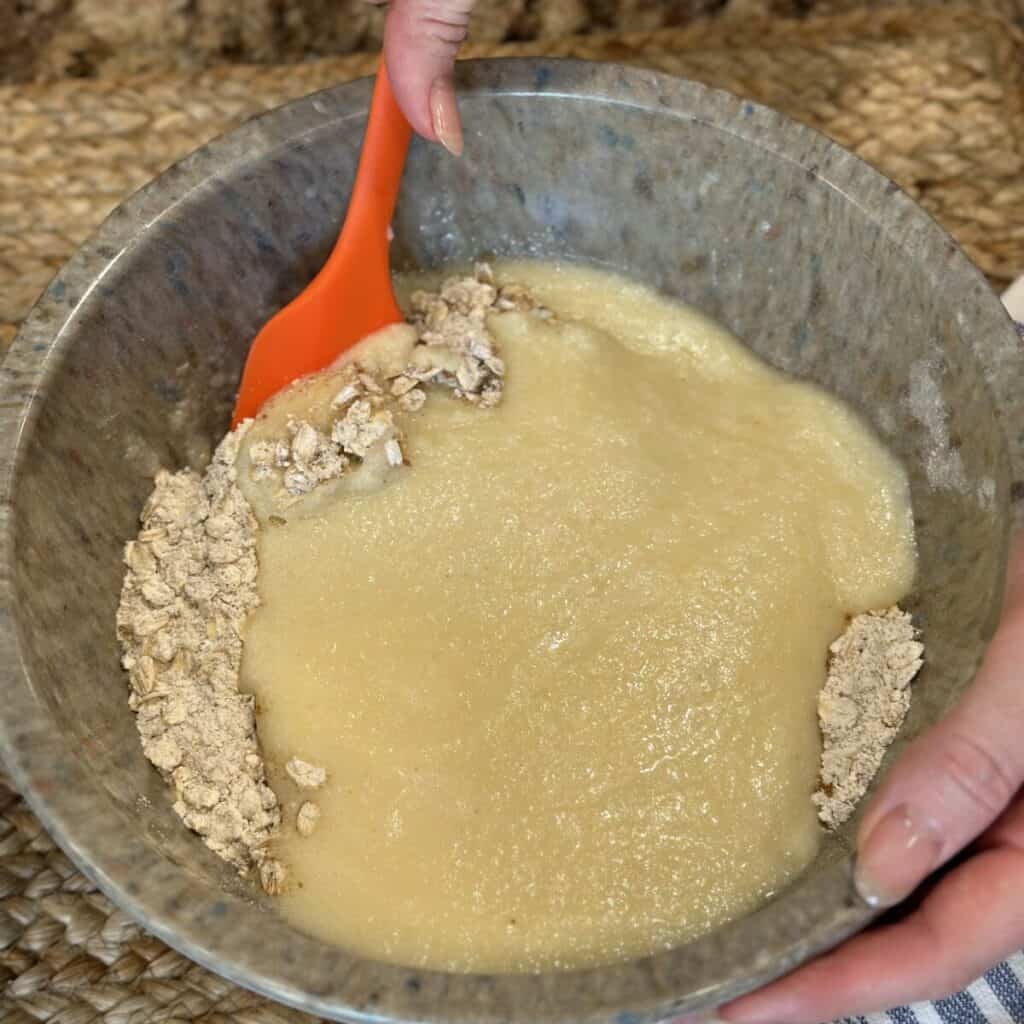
pixel 379 175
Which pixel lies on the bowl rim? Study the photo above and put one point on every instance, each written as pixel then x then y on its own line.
pixel 62 792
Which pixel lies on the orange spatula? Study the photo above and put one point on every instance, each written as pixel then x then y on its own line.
pixel 351 296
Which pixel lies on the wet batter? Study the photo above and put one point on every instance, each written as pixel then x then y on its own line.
pixel 561 669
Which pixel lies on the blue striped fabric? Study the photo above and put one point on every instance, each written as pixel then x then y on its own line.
pixel 997 998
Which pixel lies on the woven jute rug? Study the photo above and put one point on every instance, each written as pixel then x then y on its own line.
pixel 931 95
pixel 935 101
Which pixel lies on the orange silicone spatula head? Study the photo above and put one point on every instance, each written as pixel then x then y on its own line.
pixel 351 297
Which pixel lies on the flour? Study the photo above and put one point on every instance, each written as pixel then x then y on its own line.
pixel 190 583
pixel 944 464
pixel 862 706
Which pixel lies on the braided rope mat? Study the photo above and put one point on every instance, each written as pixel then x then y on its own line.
pixel 936 103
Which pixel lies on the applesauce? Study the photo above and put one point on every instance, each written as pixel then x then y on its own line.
pixel 560 666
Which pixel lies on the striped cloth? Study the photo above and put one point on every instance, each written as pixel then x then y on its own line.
pixel 997 998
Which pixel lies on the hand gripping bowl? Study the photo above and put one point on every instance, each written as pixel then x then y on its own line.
pixel 130 360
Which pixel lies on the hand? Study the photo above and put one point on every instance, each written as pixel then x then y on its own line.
pixel 959 784
pixel 421 39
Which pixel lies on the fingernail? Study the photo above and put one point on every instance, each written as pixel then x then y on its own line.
pixel 895 857
pixel 444 116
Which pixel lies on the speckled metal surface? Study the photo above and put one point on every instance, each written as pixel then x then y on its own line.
pixel 129 360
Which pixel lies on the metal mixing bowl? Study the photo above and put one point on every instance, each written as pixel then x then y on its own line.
pixel 129 360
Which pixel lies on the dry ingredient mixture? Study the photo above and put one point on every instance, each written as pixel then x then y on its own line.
pixel 862 705
pixel 191 583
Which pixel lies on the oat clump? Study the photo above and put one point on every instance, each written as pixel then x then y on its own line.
pixel 862 706
pixel 454 353
pixel 190 583
pixel 306 819
pixel 456 349
pixel 304 774
pixel 309 457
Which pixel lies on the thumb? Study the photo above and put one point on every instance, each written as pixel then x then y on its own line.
pixel 421 39
pixel 954 781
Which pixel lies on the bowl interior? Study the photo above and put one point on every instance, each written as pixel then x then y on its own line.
pixel 809 257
